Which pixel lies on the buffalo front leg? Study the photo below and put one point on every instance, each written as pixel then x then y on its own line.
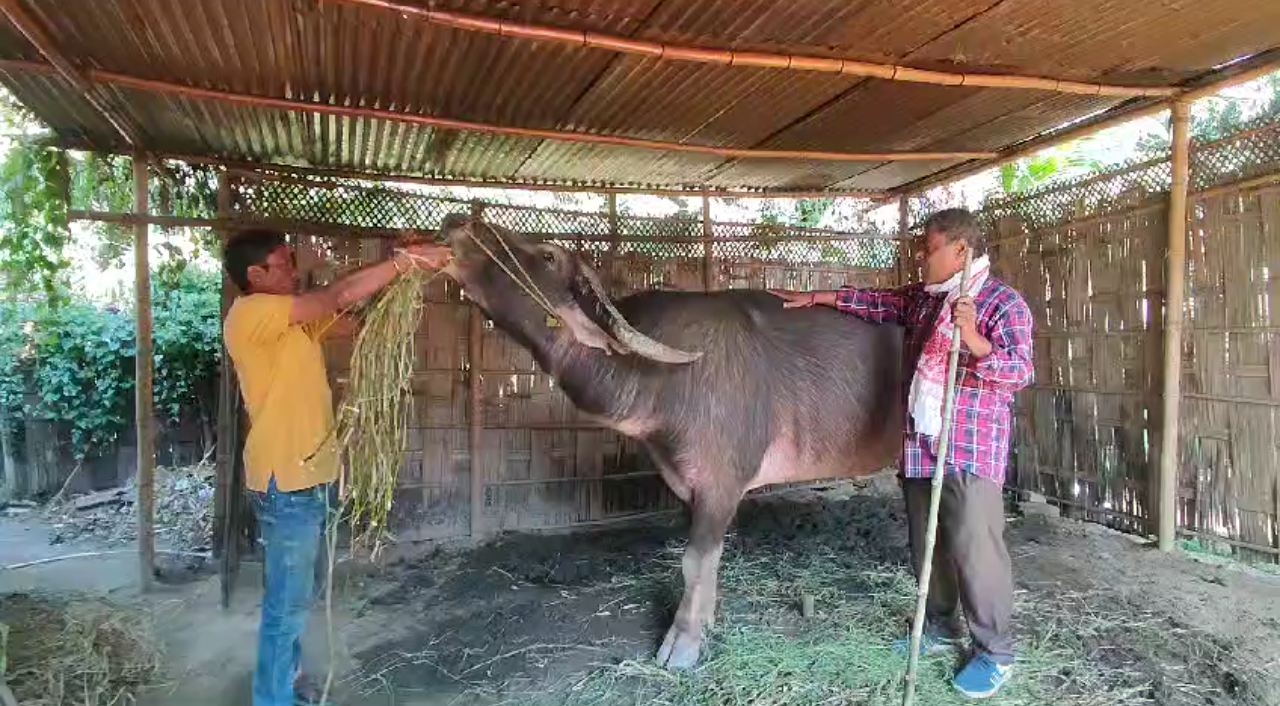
pixel 701 567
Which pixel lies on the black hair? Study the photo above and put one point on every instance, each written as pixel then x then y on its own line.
pixel 958 224
pixel 249 248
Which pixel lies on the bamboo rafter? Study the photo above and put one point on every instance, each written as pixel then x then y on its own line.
pixel 175 89
pixel 726 57
pixel 48 48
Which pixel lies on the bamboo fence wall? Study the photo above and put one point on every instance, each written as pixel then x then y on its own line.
pixel 542 465
pixel 1089 258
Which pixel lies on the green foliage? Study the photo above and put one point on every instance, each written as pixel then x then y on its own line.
pixel 33 219
pixel 83 371
pixel 78 358
pixel 14 351
pixel 1026 175
pixel 188 342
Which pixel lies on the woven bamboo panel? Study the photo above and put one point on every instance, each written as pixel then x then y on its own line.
pixel 543 465
pixel 1231 369
pixel 1083 431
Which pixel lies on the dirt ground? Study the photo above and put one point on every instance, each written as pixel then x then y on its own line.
pixel 531 619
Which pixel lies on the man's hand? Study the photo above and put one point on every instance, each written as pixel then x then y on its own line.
pixel 428 256
pixel 800 300
pixel 964 315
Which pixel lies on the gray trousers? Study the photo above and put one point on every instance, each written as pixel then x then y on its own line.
pixel 971 567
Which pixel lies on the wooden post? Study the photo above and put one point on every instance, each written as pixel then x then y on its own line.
pixel 904 239
pixel 475 422
pixel 611 258
pixel 1175 275
pixel 708 256
pixel 144 403
pixel 222 487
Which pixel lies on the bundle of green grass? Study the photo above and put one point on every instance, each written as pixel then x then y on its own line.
pixel 373 421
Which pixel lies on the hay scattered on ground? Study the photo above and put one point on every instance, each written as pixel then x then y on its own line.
pixel 64 651
pixel 763 653
pixel 184 512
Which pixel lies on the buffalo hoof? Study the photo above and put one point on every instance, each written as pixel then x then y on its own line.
pixel 680 649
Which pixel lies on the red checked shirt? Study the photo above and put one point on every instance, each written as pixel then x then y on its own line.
pixel 981 433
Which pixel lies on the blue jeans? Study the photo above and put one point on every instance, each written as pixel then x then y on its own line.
pixel 292 527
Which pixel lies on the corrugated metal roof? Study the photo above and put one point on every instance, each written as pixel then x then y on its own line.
pixel 328 52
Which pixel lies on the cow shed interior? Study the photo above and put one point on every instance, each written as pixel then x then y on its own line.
pixel 1130 421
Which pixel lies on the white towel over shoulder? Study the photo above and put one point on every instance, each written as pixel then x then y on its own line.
pixel 927 386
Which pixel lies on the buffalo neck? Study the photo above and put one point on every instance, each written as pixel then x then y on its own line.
pixel 596 383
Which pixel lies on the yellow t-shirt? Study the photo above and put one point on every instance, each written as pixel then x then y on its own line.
pixel 286 392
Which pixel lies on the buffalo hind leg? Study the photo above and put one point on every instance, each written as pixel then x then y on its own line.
pixel 712 512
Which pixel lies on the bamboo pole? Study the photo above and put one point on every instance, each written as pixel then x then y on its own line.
pixel 611 256
pixel 767 60
pixel 904 239
pixel 935 499
pixel 708 249
pixel 222 489
pixel 144 416
pixel 1175 275
pixel 175 89
pixel 475 422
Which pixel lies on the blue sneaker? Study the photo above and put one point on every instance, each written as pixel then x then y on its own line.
pixel 982 677
pixel 930 644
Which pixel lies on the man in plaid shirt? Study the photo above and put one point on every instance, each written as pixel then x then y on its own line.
pixel 971 565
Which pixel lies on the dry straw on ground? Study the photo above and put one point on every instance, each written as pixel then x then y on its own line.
pixel 81 651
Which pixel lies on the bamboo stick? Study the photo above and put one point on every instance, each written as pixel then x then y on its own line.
pixel 935 498
pixel 145 419
pixel 175 89
pixel 1175 277
pixel 767 60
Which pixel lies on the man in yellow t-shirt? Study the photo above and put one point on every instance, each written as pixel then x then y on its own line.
pixel 273 335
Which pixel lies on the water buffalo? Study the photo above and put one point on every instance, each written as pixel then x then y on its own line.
pixel 726 390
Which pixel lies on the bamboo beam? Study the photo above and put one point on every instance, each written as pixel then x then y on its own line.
pixel 145 419
pixel 261 170
pixel 36 34
pixel 175 89
pixel 766 60
pixel 1176 270
pixel 345 231
pixel 475 421
pixel 1262 65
